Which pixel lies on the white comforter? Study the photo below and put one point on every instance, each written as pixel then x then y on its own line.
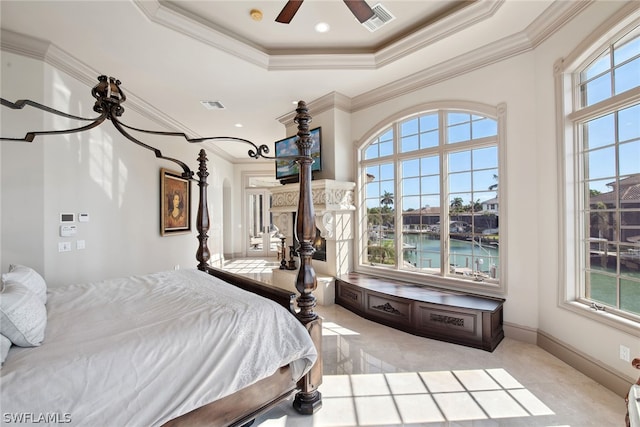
pixel 142 350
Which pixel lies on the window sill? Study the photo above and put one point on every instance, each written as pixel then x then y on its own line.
pixel 602 316
pixel 448 283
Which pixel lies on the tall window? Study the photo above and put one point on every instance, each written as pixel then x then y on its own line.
pixel 430 202
pixel 606 118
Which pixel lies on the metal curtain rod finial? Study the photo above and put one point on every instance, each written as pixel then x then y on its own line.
pixel 109 98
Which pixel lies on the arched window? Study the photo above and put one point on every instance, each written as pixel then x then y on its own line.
pixel 602 175
pixel 429 199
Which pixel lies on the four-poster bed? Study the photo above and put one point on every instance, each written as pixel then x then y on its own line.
pixel 96 332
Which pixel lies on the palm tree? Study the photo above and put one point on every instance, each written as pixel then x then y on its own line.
pixel 457 205
pixel 493 187
pixel 387 199
pixel 387 212
pixel 600 221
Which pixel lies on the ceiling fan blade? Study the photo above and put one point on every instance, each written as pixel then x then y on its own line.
pixel 288 11
pixel 360 9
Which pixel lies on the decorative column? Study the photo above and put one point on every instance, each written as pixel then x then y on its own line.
pixel 309 399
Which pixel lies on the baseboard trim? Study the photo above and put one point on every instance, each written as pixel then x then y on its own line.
pixel 612 380
pixel 520 333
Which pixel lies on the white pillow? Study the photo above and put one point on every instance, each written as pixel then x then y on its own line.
pixel 5 345
pixel 29 278
pixel 23 316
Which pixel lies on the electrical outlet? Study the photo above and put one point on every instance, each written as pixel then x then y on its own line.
pixel 625 353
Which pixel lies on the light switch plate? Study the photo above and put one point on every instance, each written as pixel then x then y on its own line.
pixel 64 246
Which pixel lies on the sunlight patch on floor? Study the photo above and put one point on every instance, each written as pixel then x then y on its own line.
pixel 331 329
pixel 250 266
pixel 395 399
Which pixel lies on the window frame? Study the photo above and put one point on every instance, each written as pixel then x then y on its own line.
pixel 570 116
pixel 497 113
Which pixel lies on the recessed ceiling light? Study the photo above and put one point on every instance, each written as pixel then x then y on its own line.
pixel 238 125
pixel 212 105
pixel 322 27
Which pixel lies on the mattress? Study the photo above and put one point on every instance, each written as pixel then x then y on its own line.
pixel 142 350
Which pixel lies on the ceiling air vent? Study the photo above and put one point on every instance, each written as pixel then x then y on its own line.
pixel 212 105
pixel 381 16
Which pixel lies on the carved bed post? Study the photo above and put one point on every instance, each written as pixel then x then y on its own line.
pixel 202 220
pixel 309 399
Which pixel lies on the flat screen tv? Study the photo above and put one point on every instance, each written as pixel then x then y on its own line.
pixel 287 147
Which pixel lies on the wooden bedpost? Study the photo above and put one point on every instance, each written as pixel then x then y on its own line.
pixel 202 220
pixel 309 399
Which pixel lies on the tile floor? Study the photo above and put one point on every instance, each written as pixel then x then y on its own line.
pixel 378 376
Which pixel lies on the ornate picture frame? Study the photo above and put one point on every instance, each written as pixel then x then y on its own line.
pixel 175 203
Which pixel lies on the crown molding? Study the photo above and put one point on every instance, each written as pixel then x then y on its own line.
pixel 188 24
pixel 326 61
pixel 23 45
pixel 558 14
pixel 178 19
pixel 550 21
pixel 438 30
pixel 462 64
pixel 331 101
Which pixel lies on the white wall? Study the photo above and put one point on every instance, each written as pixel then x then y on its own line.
pixel 526 85
pixel 22 169
pixel 598 341
pixel 98 172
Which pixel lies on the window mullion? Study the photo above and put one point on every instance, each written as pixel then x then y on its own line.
pixel 612 81
pixel 444 191
pixel 616 102
pixel 398 196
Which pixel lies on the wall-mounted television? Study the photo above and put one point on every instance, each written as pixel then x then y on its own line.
pixel 288 169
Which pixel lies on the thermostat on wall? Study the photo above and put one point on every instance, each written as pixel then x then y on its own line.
pixel 68 230
pixel 67 217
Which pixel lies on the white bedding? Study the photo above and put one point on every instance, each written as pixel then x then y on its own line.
pixel 142 350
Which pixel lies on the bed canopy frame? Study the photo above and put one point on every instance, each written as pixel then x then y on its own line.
pixel 109 99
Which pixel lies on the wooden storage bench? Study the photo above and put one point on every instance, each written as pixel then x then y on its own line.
pixel 456 317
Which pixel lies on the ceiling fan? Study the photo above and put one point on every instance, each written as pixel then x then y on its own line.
pixel 359 8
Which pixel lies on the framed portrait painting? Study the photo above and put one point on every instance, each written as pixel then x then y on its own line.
pixel 175 203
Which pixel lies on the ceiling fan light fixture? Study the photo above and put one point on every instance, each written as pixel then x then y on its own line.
pixel 359 8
